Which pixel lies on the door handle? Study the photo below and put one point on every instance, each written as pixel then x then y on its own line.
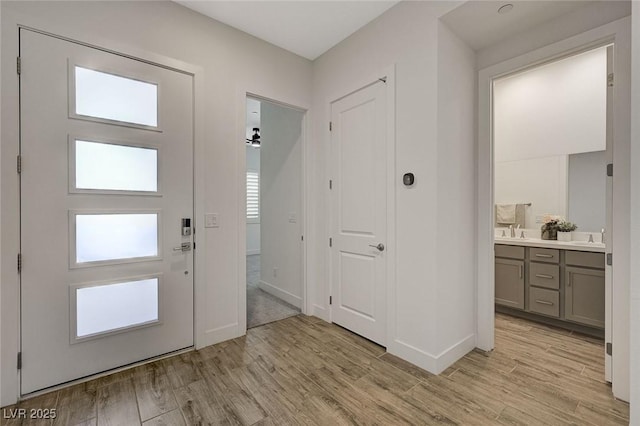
pixel 380 246
pixel 549 277
pixel 183 247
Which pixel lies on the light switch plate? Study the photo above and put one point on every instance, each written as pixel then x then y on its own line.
pixel 292 217
pixel 211 220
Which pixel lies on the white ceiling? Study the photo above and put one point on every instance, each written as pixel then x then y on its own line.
pixel 307 28
pixel 479 24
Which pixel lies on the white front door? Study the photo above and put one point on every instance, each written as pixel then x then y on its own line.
pixel 106 181
pixel 359 212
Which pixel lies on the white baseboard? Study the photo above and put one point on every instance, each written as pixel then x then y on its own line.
pixel 252 252
pixel 321 312
pixel 217 335
pixel 290 298
pixel 434 364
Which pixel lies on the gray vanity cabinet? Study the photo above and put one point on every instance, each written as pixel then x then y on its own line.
pixel 584 296
pixel 509 272
pixel 557 286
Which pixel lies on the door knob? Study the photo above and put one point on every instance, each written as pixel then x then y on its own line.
pixel 380 246
pixel 183 247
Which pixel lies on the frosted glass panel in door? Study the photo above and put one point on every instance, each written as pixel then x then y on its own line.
pixel 105 166
pixel 107 237
pixel 104 308
pixel 112 97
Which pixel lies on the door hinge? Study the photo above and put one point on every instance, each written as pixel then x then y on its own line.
pixel 330 300
pixel 610 169
pixel 609 348
pixel 194 245
pixel 301 237
pixel 609 259
pixel 18 65
pixel 330 184
pixel 19 164
pixel 330 126
pixel 19 262
pixel 19 360
pixel 330 242
pixel 610 80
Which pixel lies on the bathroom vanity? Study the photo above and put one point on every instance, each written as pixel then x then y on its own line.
pixel 557 283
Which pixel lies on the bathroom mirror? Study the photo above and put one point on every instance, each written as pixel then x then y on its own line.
pixel 550 140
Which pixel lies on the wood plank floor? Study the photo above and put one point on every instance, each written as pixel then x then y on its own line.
pixel 304 371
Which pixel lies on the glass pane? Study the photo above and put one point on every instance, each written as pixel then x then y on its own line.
pixel 116 167
pixel 115 236
pixel 112 97
pixel 110 307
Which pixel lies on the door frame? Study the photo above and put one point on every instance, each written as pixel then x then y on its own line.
pixel 618 33
pixel 241 158
pixel 390 245
pixel 10 314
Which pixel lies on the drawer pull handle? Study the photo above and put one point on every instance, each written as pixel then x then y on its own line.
pixel 520 271
pixel 548 277
pixel 548 256
pixel 544 302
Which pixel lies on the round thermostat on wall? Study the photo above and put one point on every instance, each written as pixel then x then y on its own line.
pixel 408 179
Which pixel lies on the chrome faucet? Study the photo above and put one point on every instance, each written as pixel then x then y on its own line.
pixel 602 233
pixel 590 238
pixel 512 230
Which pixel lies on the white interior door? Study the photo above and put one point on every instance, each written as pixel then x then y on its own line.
pixel 359 212
pixel 106 148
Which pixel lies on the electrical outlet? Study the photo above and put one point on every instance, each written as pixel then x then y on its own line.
pixel 293 217
pixel 539 218
pixel 275 272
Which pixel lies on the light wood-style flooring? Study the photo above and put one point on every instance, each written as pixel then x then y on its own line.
pixel 304 371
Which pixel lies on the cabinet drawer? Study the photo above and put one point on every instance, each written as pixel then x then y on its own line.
pixel 585 258
pixel 544 301
pixel 544 255
pixel 544 275
pixel 512 252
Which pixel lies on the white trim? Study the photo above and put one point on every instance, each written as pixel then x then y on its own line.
pixel 10 242
pixel 435 364
pixel 253 252
pixel 241 157
pixel 616 31
pixel 219 334
pixel 281 294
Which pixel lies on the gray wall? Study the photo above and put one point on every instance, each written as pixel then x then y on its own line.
pixel 281 202
pixel 587 191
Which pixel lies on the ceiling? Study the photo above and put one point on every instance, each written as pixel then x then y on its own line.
pixel 479 24
pixel 307 28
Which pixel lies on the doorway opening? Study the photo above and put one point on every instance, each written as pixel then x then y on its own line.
pixel 552 208
pixel 274 268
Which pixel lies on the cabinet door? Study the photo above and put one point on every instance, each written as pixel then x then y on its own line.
pixel 584 296
pixel 510 283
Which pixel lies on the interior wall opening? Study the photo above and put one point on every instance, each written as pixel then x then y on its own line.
pixel 553 210
pixel 274 272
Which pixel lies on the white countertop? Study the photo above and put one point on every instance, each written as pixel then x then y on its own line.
pixel 534 242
